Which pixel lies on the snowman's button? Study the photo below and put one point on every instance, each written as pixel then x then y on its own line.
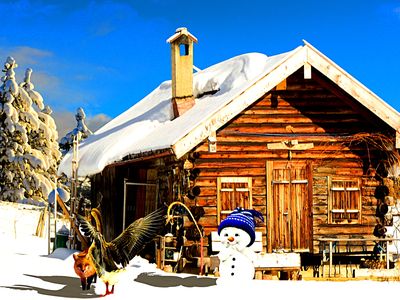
pixel 233 258
pixel 232 274
pixel 233 266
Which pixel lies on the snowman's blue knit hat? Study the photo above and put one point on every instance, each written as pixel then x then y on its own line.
pixel 243 219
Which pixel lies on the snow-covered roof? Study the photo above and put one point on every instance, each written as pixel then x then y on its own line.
pixel 149 125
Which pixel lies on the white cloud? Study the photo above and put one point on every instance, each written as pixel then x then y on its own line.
pixel 29 57
pixel 65 121
pixel 43 79
pixel 63 85
pixel 97 121
pixel 25 55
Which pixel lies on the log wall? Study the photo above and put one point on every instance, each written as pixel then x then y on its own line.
pixel 305 111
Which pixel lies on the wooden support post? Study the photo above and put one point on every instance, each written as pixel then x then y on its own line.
pixel 330 257
pixel 82 238
pixel 48 229
pixel 55 217
pixel 387 255
pixel 307 71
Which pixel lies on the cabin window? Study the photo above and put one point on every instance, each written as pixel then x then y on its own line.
pixel 344 203
pixel 233 192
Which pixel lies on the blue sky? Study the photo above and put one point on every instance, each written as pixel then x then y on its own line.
pixel 106 55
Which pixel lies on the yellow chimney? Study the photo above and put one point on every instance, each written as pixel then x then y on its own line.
pixel 182 70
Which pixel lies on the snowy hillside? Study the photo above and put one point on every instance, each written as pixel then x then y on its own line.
pixel 27 272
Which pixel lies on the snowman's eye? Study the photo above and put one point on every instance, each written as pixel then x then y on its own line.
pixel 225 234
pixel 236 234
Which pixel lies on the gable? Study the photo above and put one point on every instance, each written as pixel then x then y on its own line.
pixel 302 110
pixel 302 57
pixel 352 86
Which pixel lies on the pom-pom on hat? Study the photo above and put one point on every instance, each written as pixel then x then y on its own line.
pixel 243 219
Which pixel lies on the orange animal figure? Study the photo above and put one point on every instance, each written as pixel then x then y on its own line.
pixel 84 268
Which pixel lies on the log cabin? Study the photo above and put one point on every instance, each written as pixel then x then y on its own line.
pixel 292 135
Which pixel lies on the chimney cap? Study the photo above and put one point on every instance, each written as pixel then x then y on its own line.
pixel 181 31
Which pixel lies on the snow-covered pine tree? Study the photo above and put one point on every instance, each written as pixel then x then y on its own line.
pixel 43 141
pixel 28 153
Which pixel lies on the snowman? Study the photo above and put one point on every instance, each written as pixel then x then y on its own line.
pixel 237 234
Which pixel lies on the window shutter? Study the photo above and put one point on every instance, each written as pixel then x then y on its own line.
pixel 344 201
pixel 233 192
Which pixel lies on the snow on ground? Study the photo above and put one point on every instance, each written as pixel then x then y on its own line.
pixel 27 272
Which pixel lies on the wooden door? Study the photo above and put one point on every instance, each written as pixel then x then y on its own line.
pixel 140 196
pixel 288 206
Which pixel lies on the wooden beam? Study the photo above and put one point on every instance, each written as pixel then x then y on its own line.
pixel 397 139
pixel 212 142
pixel 270 214
pixel 82 238
pixel 307 71
pixel 281 86
pixel 288 146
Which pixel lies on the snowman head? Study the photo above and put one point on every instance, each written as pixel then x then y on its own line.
pixel 236 238
pixel 243 219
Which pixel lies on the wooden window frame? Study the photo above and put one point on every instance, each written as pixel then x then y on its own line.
pixel 347 213
pixel 220 181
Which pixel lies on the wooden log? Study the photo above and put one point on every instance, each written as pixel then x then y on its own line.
pixel 263 146
pixel 281 154
pixel 208 221
pixel 319 210
pixel 293 119
pixel 334 229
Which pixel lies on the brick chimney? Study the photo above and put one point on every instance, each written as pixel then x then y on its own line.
pixel 182 70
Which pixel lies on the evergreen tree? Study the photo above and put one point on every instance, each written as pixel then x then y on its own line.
pixel 29 152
